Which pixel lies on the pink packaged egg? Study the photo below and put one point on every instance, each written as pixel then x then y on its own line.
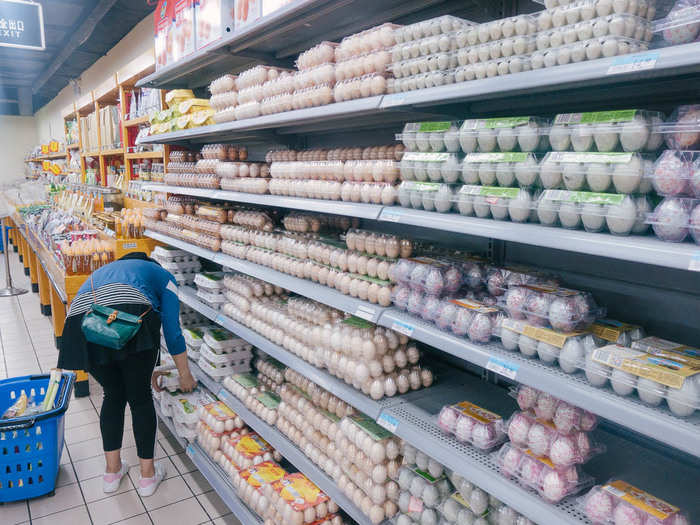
pixel 474 319
pixel 470 423
pixel 683 128
pixel 566 418
pixel 674 218
pixel 620 503
pixel 677 173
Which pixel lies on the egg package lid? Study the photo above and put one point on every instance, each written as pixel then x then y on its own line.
pixel 614 331
pixel 262 474
pixel 431 27
pixel 542 437
pixel 219 412
pixel 213 298
pixel 470 423
pixel 298 492
pixel 219 371
pixel 356 426
pixel 670 367
pixel 507 133
pixel 676 217
pixel 566 418
pixel 490 31
pixel 372 39
pixel 455 509
pixel 646 8
pixel 562 309
pixel 681 25
pixel 209 280
pixel 551 483
pixel 620 502
pixel 251 446
pixel 228 357
pixel 538 333
pixel 220 339
pixel 498 280
pixel 427 274
pixel 631 130
pixel 677 173
pixel 608 46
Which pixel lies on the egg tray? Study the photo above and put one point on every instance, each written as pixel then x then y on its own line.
pixel 681 25
pixel 604 47
pixel 562 12
pixel 246 185
pixel 242 354
pixel 440 25
pixel 220 372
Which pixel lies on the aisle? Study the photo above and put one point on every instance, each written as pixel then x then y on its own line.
pixel 185 498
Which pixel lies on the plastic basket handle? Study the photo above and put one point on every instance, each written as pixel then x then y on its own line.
pixel 9 427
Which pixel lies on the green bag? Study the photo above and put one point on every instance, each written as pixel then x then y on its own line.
pixel 107 326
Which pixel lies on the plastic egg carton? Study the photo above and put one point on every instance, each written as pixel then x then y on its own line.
pixel 247 110
pixel 378 243
pixel 608 131
pixel 185 431
pixel 620 502
pixel 218 372
pixel 566 418
pixel 247 185
pixel 248 450
pixel 257 75
pixel 321 53
pixel 227 114
pixel 429 196
pixel 228 358
pixel 538 437
pixel 469 423
pixel 552 484
pixel 592 49
pixel 319 75
pixel 242 169
pixel 622 25
pixel 508 134
pixel 249 482
pixel 250 94
pixel 424 47
pixel 681 25
pixel 223 84
pixel 370 85
pixel 373 39
pixel 222 101
pixel 518 46
pixel 565 349
pixel 209 281
pixel 630 370
pixel 563 12
pixel 165 254
pixel 676 173
pixel 376 62
pixel 313 96
pixel 420 81
pixel 210 440
pixel 492 68
pixel 438 26
pixel 220 417
pixel 465 317
pixel 495 202
pixel 429 137
pixel 297 500
pixel 521 25
pixel 618 213
pixel 277 104
pixel 211 299
pixel 443 61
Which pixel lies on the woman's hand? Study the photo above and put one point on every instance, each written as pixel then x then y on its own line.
pixel 154 380
pixel 187 382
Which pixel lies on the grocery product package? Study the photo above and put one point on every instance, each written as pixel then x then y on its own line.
pixel 247 12
pixel 214 20
pixel 184 38
pixel 163 33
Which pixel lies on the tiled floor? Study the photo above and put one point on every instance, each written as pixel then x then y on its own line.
pixel 185 498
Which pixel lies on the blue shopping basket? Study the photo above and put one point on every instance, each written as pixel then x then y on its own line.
pixel 31 446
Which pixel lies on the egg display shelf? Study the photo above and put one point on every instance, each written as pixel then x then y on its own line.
pixel 654 422
pixel 350 209
pixel 168 422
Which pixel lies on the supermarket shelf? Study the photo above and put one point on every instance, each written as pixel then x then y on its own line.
pixel 295 456
pixel 136 121
pixel 199 374
pixel 73 146
pixel 49 156
pixel 657 423
pixel 145 155
pixel 112 151
pixel 634 248
pixel 322 378
pixel 168 422
pixel 222 485
pixel 283 34
pixel 351 209
pixel 89 153
pixel 317 292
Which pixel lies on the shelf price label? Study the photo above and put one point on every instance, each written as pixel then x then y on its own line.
pixel 220 319
pixel 694 263
pixel 390 215
pixel 402 328
pixel 502 367
pixel 190 451
pixel 632 63
pixel 390 101
pixel 388 422
pixel 366 313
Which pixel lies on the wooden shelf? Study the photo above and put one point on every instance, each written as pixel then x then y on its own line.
pixel 89 153
pixel 73 146
pixel 110 152
pixel 145 155
pixel 50 156
pixel 136 121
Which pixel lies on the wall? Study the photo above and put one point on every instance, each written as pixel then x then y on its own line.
pixel 49 119
pixel 17 137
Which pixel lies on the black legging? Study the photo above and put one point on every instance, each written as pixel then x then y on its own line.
pixel 128 381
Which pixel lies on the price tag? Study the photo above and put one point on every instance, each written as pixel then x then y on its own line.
pixel 632 63
pixel 366 313
pixel 190 451
pixel 402 328
pixel 388 422
pixel 694 264
pixel 502 367
pixel 390 215
pixel 396 99
pixel 128 245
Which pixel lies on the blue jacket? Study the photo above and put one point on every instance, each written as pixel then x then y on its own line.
pixel 159 287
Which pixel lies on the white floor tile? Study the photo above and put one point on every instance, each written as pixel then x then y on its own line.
pixel 170 491
pixel 65 498
pixel 89 468
pixel 213 504
pixel 75 516
pixel 86 449
pixel 116 508
pixel 82 433
pixel 14 513
pixel 66 475
pixel 186 512
pixel 197 482
pixel 141 519
pixel 183 463
pixel 229 519
pixel 92 488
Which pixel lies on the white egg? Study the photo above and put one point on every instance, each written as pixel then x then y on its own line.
pixel 571 356
pixel 685 400
pixel 527 345
pixel 651 392
pixel 593 217
pixel 621 217
pixel 623 383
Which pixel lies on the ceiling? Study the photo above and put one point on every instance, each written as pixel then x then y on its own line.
pixel 78 33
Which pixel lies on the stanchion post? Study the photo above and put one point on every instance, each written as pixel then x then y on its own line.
pixel 9 290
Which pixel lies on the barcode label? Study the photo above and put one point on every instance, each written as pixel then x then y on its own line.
pixel 390 215
pixel 630 64
pixel 502 367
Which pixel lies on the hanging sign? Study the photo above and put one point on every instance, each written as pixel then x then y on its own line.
pixel 21 25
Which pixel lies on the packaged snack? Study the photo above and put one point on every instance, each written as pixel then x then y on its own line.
pixel 472 424
pixel 618 502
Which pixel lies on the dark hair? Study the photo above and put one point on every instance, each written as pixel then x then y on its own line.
pixel 140 256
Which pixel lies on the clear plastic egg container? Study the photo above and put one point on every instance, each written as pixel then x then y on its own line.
pixel 247 185
pixel 604 47
pixel 242 169
pixel 373 39
pixel 312 97
pixel 222 340
pixel 608 131
pixel 492 68
pixel 425 137
pixel 432 27
pixel 562 12
pixel 380 244
pixel 675 218
pixel 378 444
pixel 214 299
pixel 318 75
pixel 508 134
pixel 370 85
pixel 250 94
pixel 285 83
pixel 247 450
pixel 428 196
pixel 188 432
pixel 209 280
pixel 375 62
pixel 219 371
pixel 366 192
pixel 211 440
pixel 170 381
pixel 420 81
pixel 567 418
pixel 248 110
pixel 506 48
pixel 619 502
pixel 227 114
pixel 220 417
pixel 469 423
pixel 681 25
pixel 552 484
pixel 427 274
pixel 629 370
pixel 465 317
pixel 249 482
pixel 622 25
pixel 423 47
pixel 321 53
pixel 626 173
pixel 200 239
pixel 542 439
pixel 222 101
pixel 297 500
pixel 682 129
pixel 206 166
pixel 228 358
pixel 257 75
pixel 223 84
pixel 428 64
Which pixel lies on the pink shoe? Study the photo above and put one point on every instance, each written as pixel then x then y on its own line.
pixel 111 481
pixel 147 486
